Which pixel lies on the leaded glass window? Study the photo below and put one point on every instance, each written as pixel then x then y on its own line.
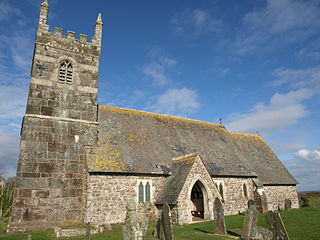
pixel 147 192
pixel 141 193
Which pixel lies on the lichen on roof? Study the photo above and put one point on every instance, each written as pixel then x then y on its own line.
pixel 163 117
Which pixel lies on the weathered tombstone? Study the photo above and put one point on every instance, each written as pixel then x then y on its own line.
pixel 131 226
pixel 275 224
pixel 250 203
pixel 29 237
pixel 250 229
pixel 158 232
pixel 132 229
pixel 219 225
pixel 250 221
pixel 287 205
pixel 166 222
pixel 260 233
pixel 88 231
pixel 260 200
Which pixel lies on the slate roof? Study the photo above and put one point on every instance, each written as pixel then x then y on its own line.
pixel 174 184
pixel 140 142
pixel 263 160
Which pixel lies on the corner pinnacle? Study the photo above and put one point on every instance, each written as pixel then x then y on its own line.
pixel 45 2
pixel 99 19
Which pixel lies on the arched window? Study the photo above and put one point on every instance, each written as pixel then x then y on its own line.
pixel 245 191
pixel 141 193
pixel 221 190
pixel 66 72
pixel 147 192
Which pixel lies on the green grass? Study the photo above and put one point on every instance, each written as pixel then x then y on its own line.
pixel 314 202
pixel 301 224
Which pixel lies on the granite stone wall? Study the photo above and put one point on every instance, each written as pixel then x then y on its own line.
pixel 60 119
pixel 50 174
pixel 107 197
pixel 234 199
pixel 276 196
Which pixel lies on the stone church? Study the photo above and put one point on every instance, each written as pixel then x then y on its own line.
pixel 82 162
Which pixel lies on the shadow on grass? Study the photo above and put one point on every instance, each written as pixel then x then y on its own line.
pixel 201 230
pixel 233 233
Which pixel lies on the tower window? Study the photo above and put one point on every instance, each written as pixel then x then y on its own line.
pixel 66 72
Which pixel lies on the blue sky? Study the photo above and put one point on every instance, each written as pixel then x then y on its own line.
pixel 255 64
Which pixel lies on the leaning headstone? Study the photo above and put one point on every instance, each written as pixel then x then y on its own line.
pixel 219 225
pixel 250 221
pixel 287 205
pixel 250 229
pixel 166 222
pixel 131 228
pixel 250 203
pixel 264 205
pixel 158 232
pixel 275 224
pixel 88 231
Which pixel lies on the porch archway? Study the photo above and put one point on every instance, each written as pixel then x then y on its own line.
pixel 199 199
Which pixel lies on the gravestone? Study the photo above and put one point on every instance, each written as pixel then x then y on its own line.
pixel 88 231
pixel 250 221
pixel 251 230
pixel 29 237
pixel 250 203
pixel 260 233
pixel 132 229
pixel 158 232
pixel 275 224
pixel 166 222
pixel 260 200
pixel 219 225
pixel 287 205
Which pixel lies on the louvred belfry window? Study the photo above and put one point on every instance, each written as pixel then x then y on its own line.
pixel 66 72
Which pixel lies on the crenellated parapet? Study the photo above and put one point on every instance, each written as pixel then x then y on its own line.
pixel 61 41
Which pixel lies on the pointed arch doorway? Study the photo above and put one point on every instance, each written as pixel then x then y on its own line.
pixel 199 199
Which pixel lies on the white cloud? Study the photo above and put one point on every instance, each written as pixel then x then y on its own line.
pixel 279 21
pixel 196 22
pixel 179 102
pixel 285 15
pixel 298 78
pixel 159 69
pixel 9 143
pixel 312 156
pixel 282 111
pixel 12 102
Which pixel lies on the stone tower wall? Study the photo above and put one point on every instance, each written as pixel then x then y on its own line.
pixel 60 119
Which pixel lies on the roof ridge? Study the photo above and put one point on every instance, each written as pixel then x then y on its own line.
pixel 163 115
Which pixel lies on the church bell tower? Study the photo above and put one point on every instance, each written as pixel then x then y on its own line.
pixel 60 119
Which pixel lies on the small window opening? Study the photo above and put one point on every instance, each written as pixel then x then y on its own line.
pixel 147 192
pixel 221 190
pixel 245 191
pixel 141 193
pixel 66 72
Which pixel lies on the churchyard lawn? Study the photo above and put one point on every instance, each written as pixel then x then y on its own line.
pixel 301 224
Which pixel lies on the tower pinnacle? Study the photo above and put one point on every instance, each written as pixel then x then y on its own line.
pixel 98 29
pixel 44 12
